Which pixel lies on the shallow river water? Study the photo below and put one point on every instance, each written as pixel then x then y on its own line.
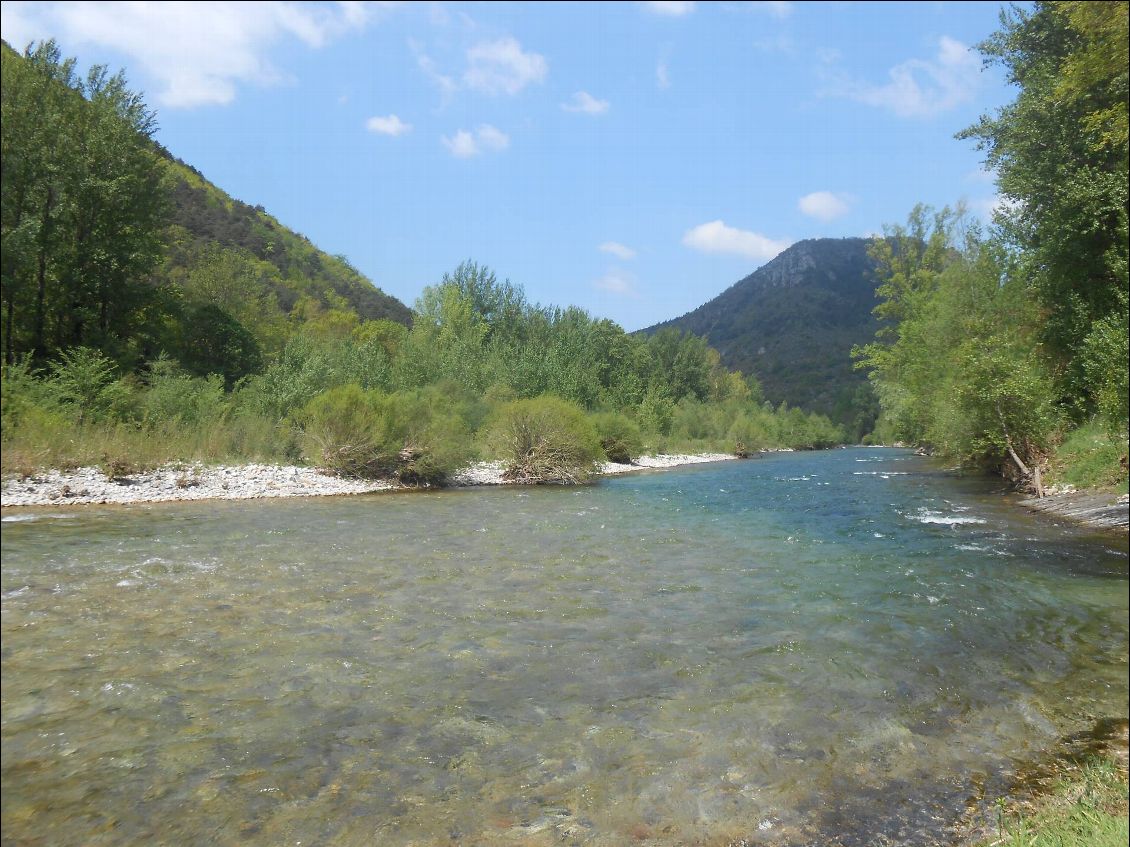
pixel 839 647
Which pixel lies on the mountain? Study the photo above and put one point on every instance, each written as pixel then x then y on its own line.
pixel 792 324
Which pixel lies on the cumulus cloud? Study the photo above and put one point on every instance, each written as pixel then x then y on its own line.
pixel 390 125
pixel 582 101
pixel 670 8
pixel 620 251
pixel 199 53
pixel 921 87
pixel 617 281
pixel 464 144
pixel 824 205
pixel 716 237
pixel 503 67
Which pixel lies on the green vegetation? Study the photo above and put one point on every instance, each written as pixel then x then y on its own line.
pixel 544 439
pixel 996 348
pixel 549 391
pixel 188 326
pixel 112 244
pixel 1085 808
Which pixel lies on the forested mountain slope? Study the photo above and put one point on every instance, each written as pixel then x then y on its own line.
pixel 204 217
pixel 112 244
pixel 792 324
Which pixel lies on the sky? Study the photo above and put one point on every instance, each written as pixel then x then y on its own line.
pixel 633 159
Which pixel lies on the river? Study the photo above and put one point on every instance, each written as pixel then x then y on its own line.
pixel 809 648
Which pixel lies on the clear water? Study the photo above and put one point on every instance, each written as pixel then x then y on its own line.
pixel 846 646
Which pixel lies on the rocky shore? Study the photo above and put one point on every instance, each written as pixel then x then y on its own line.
pixel 87 486
pixel 1098 510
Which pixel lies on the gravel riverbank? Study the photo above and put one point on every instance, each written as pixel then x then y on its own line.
pixel 87 486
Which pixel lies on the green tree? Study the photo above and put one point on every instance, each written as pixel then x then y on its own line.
pixel 1060 153
pixel 84 208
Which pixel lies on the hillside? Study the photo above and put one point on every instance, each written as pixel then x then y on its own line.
pixel 792 324
pixel 111 243
pixel 204 215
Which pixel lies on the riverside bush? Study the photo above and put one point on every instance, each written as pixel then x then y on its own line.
pixel 545 439
pixel 342 430
pixel 619 435
pixel 747 435
pixel 429 439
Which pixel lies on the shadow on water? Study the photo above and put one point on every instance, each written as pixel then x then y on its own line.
pixel 846 647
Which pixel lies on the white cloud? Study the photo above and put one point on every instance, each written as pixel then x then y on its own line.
pixel 197 52
pixel 620 251
pixel 662 78
pixel 775 8
pixel 824 205
pixel 502 67
pixel 425 63
pixel 617 281
pixel 920 87
pixel 582 101
pixel 669 8
pixel 492 138
pixel 716 237
pixel 390 125
pixel 464 144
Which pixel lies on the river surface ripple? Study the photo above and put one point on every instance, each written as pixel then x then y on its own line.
pixel 839 647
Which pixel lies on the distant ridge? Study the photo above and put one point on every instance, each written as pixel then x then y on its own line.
pixel 792 324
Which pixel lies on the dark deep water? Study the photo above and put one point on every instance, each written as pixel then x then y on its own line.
pixel 807 647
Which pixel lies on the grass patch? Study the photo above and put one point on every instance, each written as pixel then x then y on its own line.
pixel 1087 807
pixel 1090 457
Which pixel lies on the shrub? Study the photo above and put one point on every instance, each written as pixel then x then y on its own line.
pixel 174 396
pixel 747 435
pixel 84 381
pixel 342 431
pixel 545 439
pixel 619 437
pixel 428 437
pixel 656 412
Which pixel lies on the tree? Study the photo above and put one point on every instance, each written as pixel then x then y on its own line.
pixel 84 206
pixel 1060 153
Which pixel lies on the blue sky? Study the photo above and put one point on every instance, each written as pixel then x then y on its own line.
pixel 634 159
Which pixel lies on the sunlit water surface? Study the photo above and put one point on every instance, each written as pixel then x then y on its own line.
pixel 808 648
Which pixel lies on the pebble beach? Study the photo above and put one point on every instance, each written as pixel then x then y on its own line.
pixel 89 486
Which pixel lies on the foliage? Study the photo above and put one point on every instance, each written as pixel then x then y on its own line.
pixel 215 342
pixel 1060 153
pixel 1090 457
pixel 84 206
pixel 85 383
pixel 430 437
pixel 959 367
pixel 343 431
pixel 546 439
pixel 995 347
pixel 619 435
